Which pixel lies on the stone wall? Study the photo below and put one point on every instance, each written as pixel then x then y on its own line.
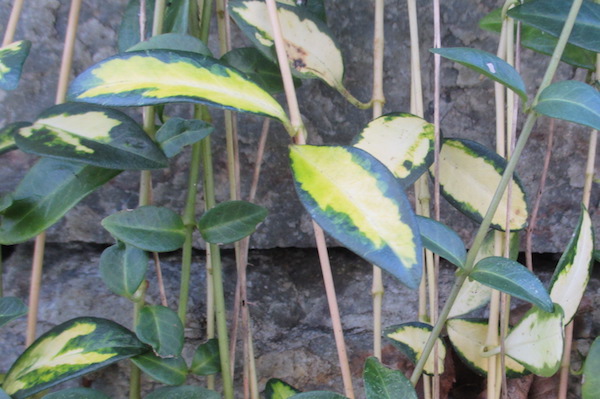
pixel 467 110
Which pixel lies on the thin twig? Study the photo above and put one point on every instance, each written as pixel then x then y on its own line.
pixel 13 20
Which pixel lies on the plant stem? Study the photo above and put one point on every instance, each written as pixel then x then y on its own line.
pixel 299 134
pixel 40 240
pixel 506 178
pixel 13 20
pixel 378 99
pixel 135 374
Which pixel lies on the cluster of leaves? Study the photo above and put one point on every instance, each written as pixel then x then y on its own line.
pixel 357 193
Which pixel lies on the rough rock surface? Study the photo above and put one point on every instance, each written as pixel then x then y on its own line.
pixel 466 101
pixel 291 324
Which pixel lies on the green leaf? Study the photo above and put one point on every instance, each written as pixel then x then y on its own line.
pixel 544 43
pixel 359 202
pixel 301 30
pixel 48 190
pixel 487 64
pixel 591 370
pixel 11 308
pixel 152 228
pixel 278 389
pixel 91 134
pixel 123 268
pixel 572 101
pixel 161 328
pixel 173 41
pixel 318 395
pixel 259 68
pixel 12 58
pixel 402 142
pixel 537 341
pixel 129 30
pixel 511 277
pixel 206 359
pixel 170 371
pixel 182 17
pixel 550 16
pixel 67 351
pixel 384 383
pixel 164 76
pixel 442 240
pixel 176 133
pixel 230 221
pixel 410 338
pixel 469 176
pixel 474 295
pixel 183 392
pixel 469 337
pixel 7 136
pixel 76 393
pixel 574 268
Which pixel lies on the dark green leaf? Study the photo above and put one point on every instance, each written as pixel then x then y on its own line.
pixel 123 268
pixel 170 371
pixel 5 202
pixel 442 240
pixel 318 395
pixel 206 359
pixel 10 309
pixel 46 193
pixel 550 16
pixel 545 43
pixel 77 393
pixel 384 383
pixel 181 16
pixel 91 134
pixel 591 372
pixel 177 133
pixel 129 30
pixel 511 277
pixel 161 328
pixel 572 101
pixel 12 58
pixel 230 221
pixel 152 228
pixel 258 68
pixel 487 64
pixel 278 389
pixel 69 350
pixel 173 41
pixel 7 136
pixel 183 392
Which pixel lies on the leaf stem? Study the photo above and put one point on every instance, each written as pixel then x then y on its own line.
pixel 40 240
pixel 13 20
pixel 506 178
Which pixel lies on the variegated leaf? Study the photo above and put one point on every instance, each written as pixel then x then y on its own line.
pixel 468 337
pixel 469 175
pixel 12 58
pixel 357 200
pixel 402 142
pixel 69 350
pixel 410 338
pixel 7 136
pixel 301 32
pixel 91 134
pixel 163 76
pixel 574 267
pixel 537 341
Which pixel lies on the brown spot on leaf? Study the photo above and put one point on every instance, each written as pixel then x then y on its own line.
pixel 297 56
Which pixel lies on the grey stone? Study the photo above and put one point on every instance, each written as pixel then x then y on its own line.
pixel 466 104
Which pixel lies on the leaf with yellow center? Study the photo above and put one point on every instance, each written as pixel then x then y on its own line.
pixel 357 200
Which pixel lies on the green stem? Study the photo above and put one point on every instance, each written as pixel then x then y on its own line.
pixel 135 374
pixel 217 274
pixel 506 178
